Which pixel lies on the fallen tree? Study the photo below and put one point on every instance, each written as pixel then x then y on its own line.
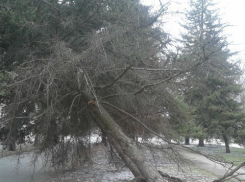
pixel 73 61
pixel 125 146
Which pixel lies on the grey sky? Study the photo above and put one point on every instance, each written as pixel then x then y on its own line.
pixel 231 12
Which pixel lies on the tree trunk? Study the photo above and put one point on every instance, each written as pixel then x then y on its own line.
pixel 227 147
pixel 11 144
pixel 104 141
pixel 127 146
pixel 36 140
pixel 125 159
pixel 187 140
pixel 201 142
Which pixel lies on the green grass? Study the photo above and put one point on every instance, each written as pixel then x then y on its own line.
pixel 236 156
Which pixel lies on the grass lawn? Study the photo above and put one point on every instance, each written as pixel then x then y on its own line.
pixel 236 156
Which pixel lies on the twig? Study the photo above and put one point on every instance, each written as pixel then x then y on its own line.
pixel 90 17
pixel 50 5
pixel 154 69
pixel 136 119
pixel 229 174
pixel 118 78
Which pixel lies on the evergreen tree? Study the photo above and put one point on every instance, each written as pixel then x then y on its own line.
pixel 212 89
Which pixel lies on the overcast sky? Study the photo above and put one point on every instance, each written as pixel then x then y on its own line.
pixel 231 12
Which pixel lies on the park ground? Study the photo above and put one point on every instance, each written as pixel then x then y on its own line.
pixel 104 168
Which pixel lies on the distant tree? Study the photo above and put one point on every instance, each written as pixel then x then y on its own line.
pixel 212 87
pixel 220 109
pixel 179 129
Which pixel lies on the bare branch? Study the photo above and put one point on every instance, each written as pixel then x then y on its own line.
pixel 50 5
pixel 118 78
pixel 230 173
pixel 136 119
pixel 153 69
pixel 205 59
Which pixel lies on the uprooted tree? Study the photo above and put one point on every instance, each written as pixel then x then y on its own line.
pixel 90 64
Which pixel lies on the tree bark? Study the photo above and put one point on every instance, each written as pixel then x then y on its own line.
pixel 36 140
pixel 227 147
pixel 125 159
pixel 127 146
pixel 104 140
pixel 201 142
pixel 187 140
pixel 11 143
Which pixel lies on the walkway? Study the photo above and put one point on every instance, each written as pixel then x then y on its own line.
pixel 207 165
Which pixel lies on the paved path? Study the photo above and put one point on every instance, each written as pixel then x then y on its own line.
pixel 207 165
pixel 10 173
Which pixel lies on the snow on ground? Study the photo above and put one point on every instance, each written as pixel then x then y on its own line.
pixel 19 169
pixel 208 165
pixel 101 169
pixel 97 170
pixel 159 141
pixel 216 142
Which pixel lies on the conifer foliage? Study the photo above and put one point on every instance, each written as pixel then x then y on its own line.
pixel 214 87
pixel 87 65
